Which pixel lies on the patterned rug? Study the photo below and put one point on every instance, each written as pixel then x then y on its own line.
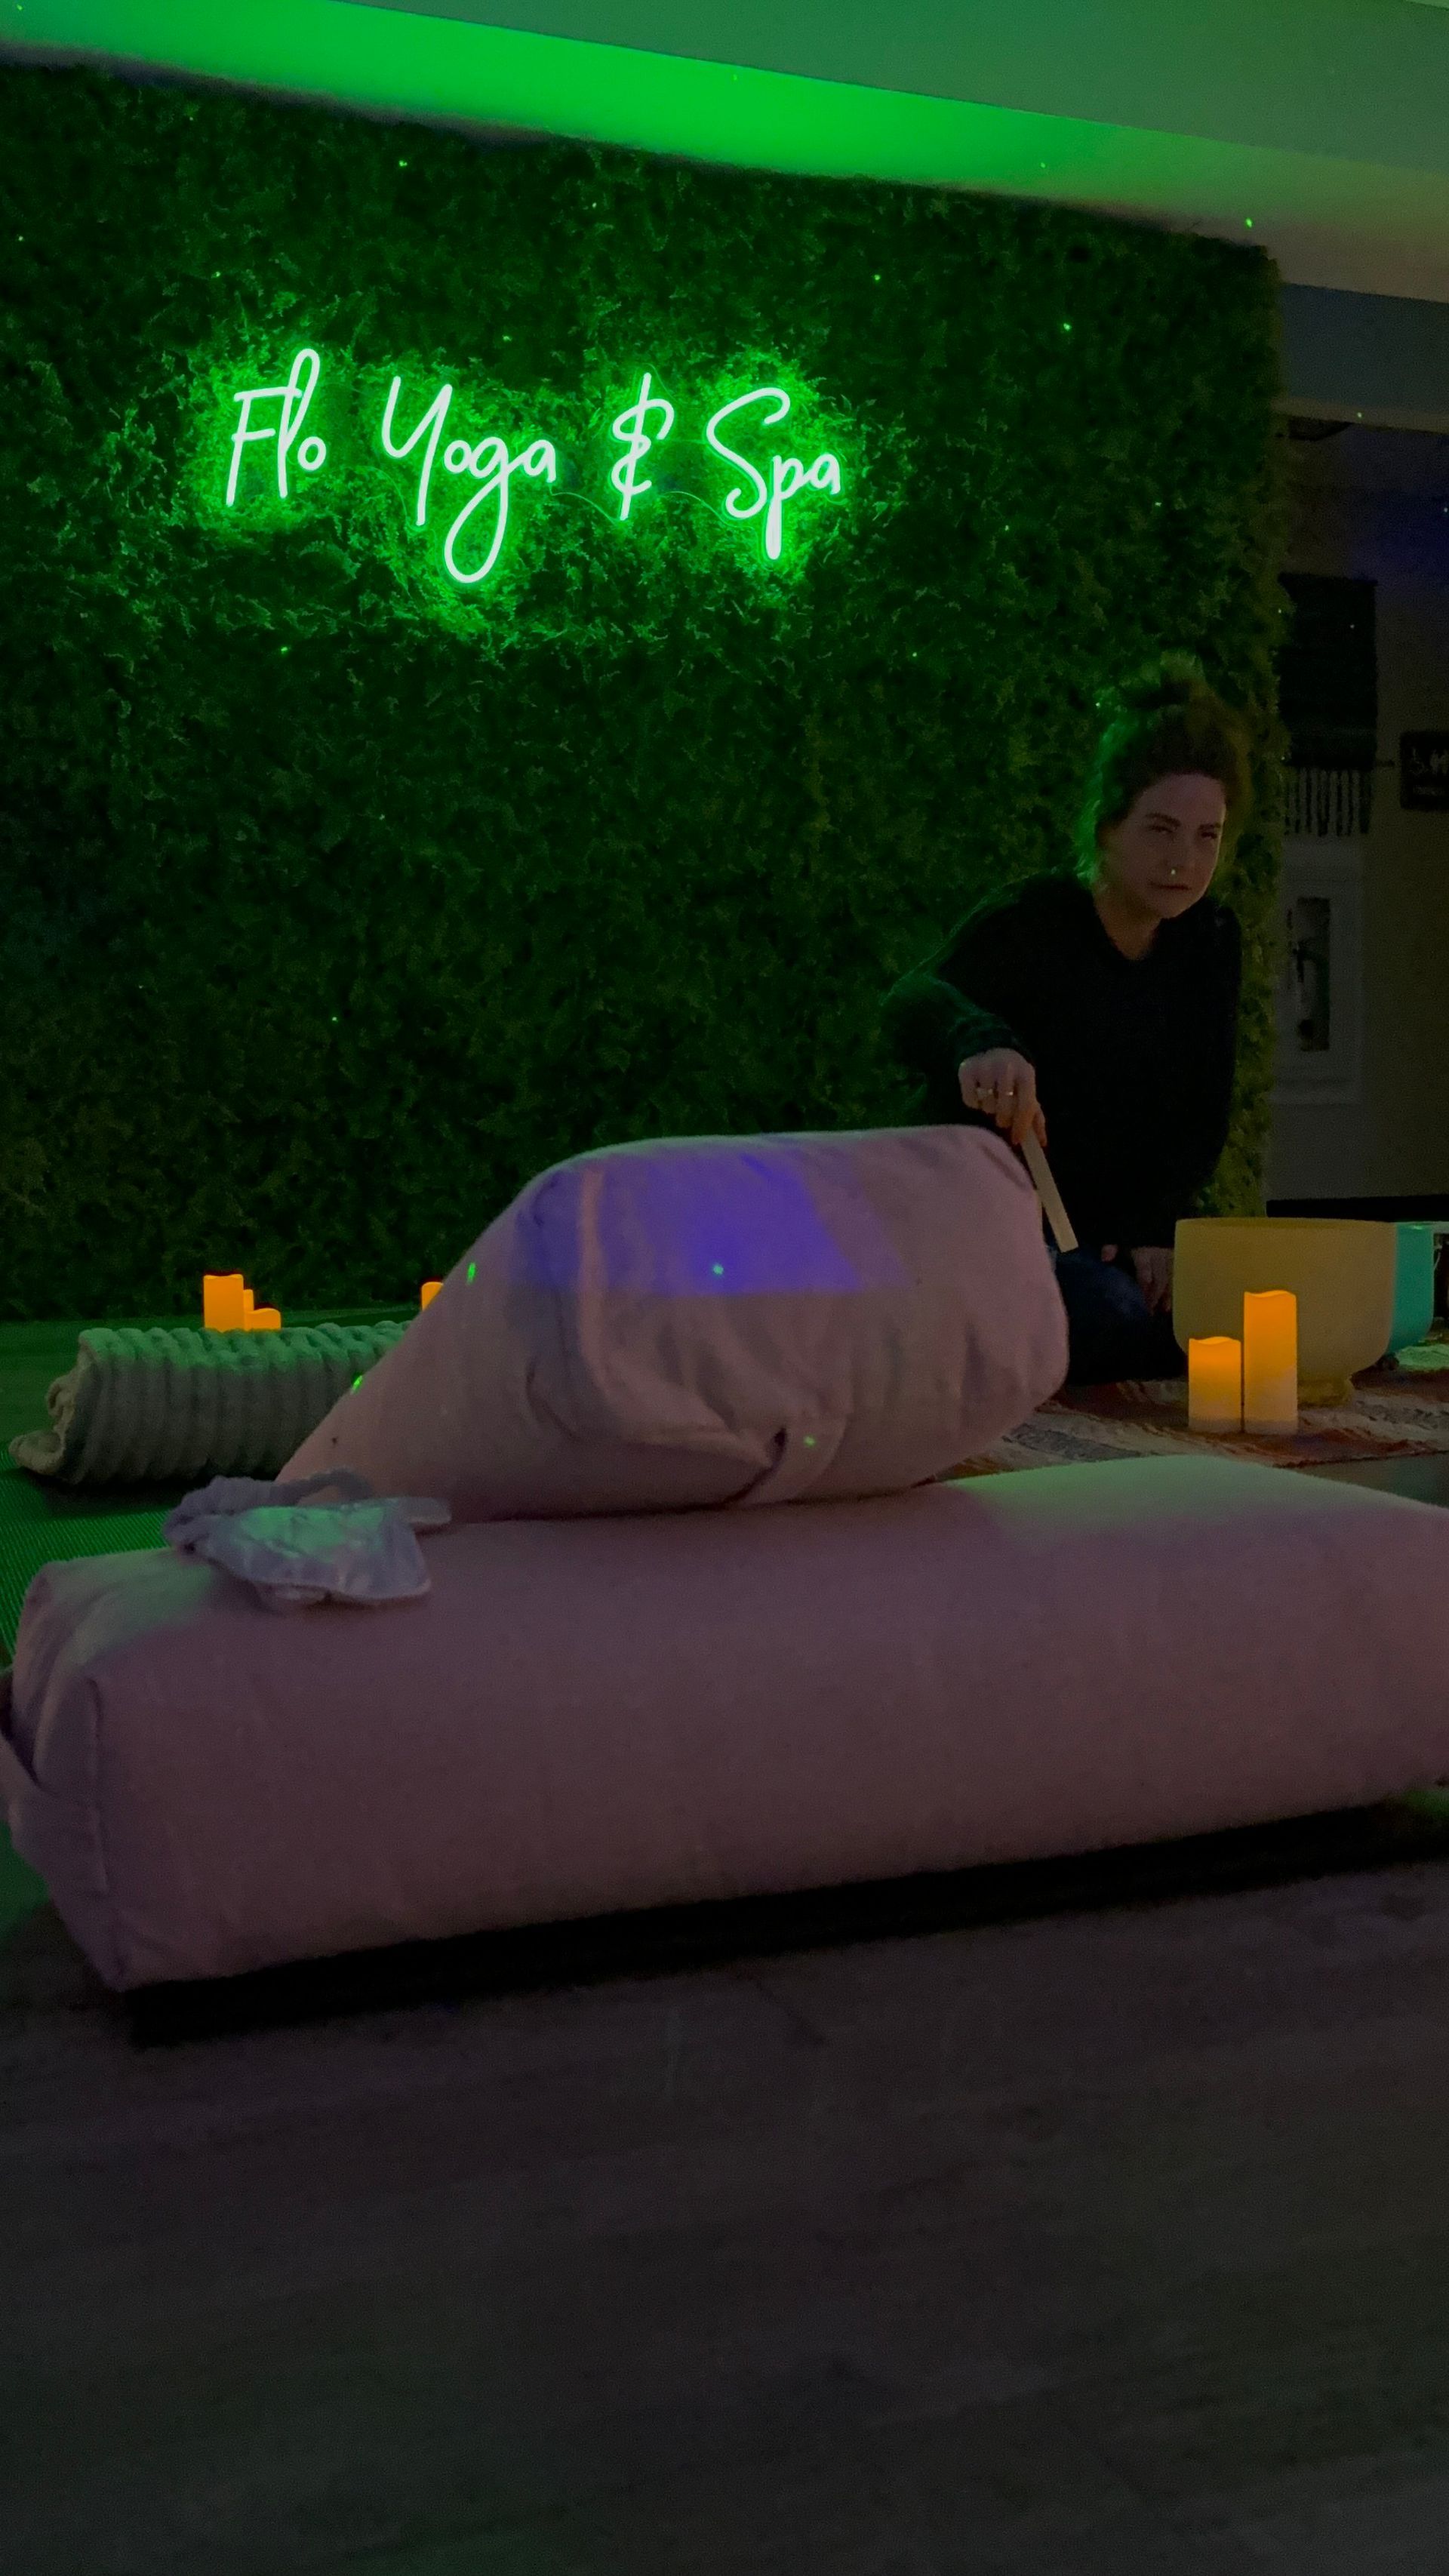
pixel 1400 1410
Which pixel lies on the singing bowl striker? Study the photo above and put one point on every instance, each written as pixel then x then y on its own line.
pixel 1342 1270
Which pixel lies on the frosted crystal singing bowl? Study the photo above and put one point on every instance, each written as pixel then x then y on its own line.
pixel 1342 1272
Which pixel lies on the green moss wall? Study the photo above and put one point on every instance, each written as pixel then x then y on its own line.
pixel 335 901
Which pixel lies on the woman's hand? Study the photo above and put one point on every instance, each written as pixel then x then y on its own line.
pixel 1002 1085
pixel 1153 1265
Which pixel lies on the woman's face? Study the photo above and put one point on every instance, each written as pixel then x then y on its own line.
pixel 1162 856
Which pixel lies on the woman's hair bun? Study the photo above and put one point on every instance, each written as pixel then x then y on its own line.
pixel 1164 722
pixel 1171 681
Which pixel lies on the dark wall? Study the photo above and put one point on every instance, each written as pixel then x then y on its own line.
pixel 337 899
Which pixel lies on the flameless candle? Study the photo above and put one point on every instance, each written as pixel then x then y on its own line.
pixel 430 1290
pixel 1215 1384
pixel 264 1319
pixel 221 1301
pixel 1270 1361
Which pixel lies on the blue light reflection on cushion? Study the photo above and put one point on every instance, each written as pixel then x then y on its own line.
pixel 704 1224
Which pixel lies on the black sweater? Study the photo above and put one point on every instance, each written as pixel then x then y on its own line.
pixel 1134 1058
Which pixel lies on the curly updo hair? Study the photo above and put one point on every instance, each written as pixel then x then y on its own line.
pixel 1164 723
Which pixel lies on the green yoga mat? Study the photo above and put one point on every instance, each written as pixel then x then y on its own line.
pixel 36 1525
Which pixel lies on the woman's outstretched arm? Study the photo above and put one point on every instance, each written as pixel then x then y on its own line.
pixel 947 1009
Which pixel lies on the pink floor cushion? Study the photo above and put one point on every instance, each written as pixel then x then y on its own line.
pixel 587 1717
pixel 711 1320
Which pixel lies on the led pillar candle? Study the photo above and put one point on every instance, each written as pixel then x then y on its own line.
pixel 1215 1384
pixel 221 1301
pixel 228 1306
pixel 1270 1361
pixel 429 1291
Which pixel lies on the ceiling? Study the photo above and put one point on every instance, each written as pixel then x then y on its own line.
pixel 1316 128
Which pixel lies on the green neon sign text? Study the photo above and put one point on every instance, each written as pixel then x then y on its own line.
pixel 294 397
pixel 767 492
pixel 493 470
pixel 489 462
pixel 430 426
pixel 633 425
pixel 788 476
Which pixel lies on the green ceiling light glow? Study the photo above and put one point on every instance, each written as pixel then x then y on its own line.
pixel 1355 219
pixel 788 475
pixel 294 397
pixel 632 424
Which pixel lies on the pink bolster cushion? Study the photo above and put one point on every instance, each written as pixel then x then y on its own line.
pixel 720 1319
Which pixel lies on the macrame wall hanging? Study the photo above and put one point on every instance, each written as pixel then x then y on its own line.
pixel 1324 804
pixel 1328 691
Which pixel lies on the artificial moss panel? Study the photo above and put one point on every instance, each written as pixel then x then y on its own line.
pixel 340 898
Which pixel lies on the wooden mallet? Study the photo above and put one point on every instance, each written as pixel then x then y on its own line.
pixel 1048 1193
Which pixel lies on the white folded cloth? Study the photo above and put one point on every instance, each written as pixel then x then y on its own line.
pixel 294 1551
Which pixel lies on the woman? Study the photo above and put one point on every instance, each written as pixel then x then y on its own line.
pixel 1101 1010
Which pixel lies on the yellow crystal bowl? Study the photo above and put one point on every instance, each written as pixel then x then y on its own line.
pixel 1342 1271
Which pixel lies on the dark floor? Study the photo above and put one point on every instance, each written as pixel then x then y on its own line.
pixel 1098 2245
pixel 1063 2223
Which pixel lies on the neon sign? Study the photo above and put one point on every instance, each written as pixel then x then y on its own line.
pixel 632 424
pixel 493 479
pixel 430 426
pixel 501 465
pixel 788 477
pixel 294 397
pixel 490 464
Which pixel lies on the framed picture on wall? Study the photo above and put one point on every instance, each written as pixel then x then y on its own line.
pixel 1320 989
pixel 1424 772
